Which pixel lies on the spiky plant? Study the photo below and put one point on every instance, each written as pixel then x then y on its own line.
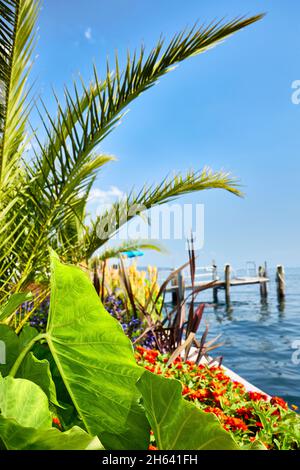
pixel 43 199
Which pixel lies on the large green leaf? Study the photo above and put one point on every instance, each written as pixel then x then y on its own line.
pixel 13 345
pixel 16 437
pixel 95 360
pixel 38 371
pixel 25 402
pixel 25 421
pixel 176 423
pixel 13 303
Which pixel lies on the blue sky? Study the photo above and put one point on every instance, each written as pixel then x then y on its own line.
pixel 229 108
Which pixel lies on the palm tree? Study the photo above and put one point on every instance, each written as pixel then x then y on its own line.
pixel 43 199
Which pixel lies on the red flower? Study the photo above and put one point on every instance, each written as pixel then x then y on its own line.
pixel 235 423
pixel 178 359
pixel 246 413
pixel 151 369
pixel 237 385
pixel 56 422
pixel 258 424
pixel 222 377
pixel 152 352
pixel 200 395
pixel 280 402
pixel 151 447
pixel 185 390
pixel 216 411
pixel 150 359
pixel 257 396
pixel 190 363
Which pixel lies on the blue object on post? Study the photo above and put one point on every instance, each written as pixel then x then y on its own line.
pixel 132 254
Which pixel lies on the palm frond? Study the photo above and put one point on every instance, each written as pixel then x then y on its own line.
pixel 121 212
pixel 87 117
pixel 18 18
pixel 130 245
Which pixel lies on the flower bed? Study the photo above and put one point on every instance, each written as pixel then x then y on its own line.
pixel 250 416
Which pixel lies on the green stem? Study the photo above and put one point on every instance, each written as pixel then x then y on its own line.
pixel 23 353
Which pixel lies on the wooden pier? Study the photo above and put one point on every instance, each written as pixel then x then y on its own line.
pixel 180 284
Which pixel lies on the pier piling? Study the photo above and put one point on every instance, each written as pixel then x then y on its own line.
pixel 215 277
pixel 262 273
pixel 280 280
pixel 227 283
pixel 179 289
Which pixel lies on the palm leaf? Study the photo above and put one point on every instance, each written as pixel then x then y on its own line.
pixel 18 18
pixel 89 116
pixel 130 245
pixel 121 212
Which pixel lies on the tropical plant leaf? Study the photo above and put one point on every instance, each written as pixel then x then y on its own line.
pixel 130 245
pixel 18 18
pixel 13 303
pixel 16 437
pixel 14 344
pixel 24 402
pixel 25 421
pixel 38 371
pixel 89 116
pixel 170 188
pixel 95 360
pixel 176 423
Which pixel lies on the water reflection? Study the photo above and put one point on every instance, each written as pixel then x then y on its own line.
pixel 281 307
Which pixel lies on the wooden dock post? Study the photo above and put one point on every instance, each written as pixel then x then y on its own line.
pixel 214 278
pixel 280 279
pixel 174 291
pixel 263 285
pixel 181 287
pixel 178 293
pixel 227 283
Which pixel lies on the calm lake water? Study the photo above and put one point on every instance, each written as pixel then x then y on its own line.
pixel 258 338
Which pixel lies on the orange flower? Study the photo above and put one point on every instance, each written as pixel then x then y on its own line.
pixel 178 359
pixel 151 447
pixel 150 359
pixel 257 396
pixel 190 363
pixel 216 411
pixel 185 390
pixel 200 395
pixel 56 422
pixel 280 402
pixel 244 412
pixel 236 423
pixel 258 424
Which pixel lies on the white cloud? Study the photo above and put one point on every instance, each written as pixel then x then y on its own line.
pixel 99 200
pixel 88 33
